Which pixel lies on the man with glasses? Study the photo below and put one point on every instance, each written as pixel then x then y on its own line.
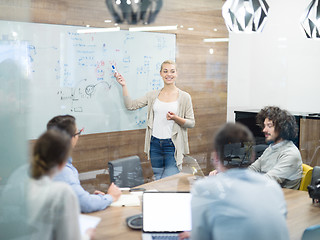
pixel 88 202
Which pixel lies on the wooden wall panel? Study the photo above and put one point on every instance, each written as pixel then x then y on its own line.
pixel 201 74
pixel 310 141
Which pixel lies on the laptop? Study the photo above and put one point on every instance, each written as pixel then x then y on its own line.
pixel 190 165
pixel 165 214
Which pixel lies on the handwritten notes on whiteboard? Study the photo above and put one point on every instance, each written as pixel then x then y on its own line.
pixel 71 73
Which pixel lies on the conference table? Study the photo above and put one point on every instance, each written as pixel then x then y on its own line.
pixel 301 212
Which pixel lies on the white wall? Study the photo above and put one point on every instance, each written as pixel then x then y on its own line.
pixel 279 66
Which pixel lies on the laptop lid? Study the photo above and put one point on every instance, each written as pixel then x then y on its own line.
pixel 166 212
pixel 190 165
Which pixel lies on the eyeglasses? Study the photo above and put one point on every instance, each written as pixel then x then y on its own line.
pixel 78 133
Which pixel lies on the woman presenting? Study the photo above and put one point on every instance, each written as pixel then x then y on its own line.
pixel 170 113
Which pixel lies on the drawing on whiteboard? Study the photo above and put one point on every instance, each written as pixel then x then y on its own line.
pixel 77 95
pixel 100 71
pixel 161 43
pixel 90 89
pixel 128 37
pixel 140 122
pixel 71 71
pixel 32 52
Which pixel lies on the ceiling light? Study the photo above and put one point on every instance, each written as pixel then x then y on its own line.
pixel 134 11
pixel 310 20
pixel 191 29
pixel 107 21
pixel 245 15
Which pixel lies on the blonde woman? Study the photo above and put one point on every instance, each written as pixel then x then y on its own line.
pixel 170 114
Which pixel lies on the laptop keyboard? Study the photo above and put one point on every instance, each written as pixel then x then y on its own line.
pixel 165 237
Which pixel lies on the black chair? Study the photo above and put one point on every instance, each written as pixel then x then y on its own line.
pixel 314 188
pixel 315 175
pixel 126 172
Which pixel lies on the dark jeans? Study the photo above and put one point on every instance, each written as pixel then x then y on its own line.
pixel 162 157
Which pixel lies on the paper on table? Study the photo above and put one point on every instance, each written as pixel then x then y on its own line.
pixel 87 222
pixel 129 200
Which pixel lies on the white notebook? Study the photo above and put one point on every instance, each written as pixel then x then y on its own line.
pixel 127 200
pixel 86 222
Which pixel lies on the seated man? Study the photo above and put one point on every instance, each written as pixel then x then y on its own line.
pixel 281 161
pixel 237 203
pixel 88 202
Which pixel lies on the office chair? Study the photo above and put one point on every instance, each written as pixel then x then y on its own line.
pixel 126 172
pixel 315 174
pixel 314 187
pixel 306 177
pixel 311 233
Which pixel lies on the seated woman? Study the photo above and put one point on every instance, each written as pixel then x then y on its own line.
pixel 53 206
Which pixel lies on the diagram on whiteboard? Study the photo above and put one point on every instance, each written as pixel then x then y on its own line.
pixel 71 73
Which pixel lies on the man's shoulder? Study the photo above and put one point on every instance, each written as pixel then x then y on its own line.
pixel 66 170
pixel 67 174
pixel 233 176
pixel 290 148
pixel 62 187
pixel 212 184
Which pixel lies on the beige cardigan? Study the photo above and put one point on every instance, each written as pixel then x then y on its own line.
pixel 179 133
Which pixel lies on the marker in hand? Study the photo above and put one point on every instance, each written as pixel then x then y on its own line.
pixel 114 69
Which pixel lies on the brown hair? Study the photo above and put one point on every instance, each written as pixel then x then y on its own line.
pixel 65 123
pixel 234 137
pixel 50 150
pixel 284 123
pixel 168 62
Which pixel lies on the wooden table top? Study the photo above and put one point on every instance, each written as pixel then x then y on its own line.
pixel 301 212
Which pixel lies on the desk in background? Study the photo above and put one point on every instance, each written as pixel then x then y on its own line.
pixel 301 212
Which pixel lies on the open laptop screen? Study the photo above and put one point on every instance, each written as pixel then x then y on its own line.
pixel 190 165
pixel 166 211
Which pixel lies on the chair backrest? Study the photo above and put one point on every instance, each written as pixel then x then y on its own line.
pixel 311 233
pixel 126 172
pixel 315 174
pixel 306 177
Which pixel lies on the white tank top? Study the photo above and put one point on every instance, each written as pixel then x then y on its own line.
pixel 162 128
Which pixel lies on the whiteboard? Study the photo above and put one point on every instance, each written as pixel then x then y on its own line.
pixel 71 73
